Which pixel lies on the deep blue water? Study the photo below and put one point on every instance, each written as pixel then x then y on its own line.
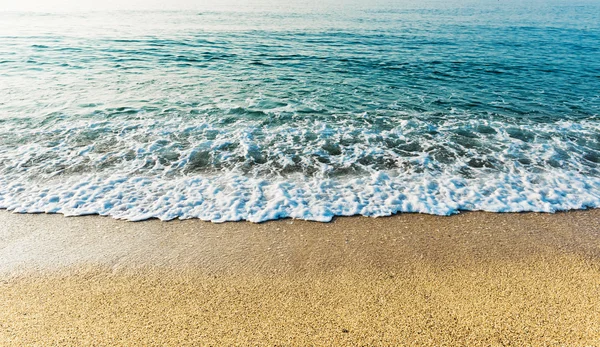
pixel 307 111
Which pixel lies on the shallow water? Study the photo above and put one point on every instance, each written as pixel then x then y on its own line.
pixel 268 111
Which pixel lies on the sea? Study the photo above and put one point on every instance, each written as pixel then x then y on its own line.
pixel 262 110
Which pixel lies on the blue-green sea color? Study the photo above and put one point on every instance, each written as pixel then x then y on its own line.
pixel 308 111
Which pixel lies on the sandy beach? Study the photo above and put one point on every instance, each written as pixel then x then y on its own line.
pixel 470 279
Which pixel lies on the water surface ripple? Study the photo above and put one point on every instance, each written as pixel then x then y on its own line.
pixel 269 113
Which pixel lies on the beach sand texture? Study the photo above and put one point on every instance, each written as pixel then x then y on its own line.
pixel 410 279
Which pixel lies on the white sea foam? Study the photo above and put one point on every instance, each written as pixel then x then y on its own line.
pixel 232 197
pixel 167 170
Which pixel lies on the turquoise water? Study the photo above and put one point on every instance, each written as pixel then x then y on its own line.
pixel 267 111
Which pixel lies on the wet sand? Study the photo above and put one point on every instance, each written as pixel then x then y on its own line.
pixel 471 279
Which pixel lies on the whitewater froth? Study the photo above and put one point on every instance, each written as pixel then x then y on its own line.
pixel 313 171
pixel 232 197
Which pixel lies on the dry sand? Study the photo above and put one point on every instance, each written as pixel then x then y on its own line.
pixel 471 279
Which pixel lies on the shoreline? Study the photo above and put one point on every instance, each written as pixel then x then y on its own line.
pixel 472 278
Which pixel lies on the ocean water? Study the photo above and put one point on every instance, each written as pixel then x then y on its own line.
pixel 306 110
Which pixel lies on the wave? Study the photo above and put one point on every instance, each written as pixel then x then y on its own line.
pixel 232 197
pixel 307 169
